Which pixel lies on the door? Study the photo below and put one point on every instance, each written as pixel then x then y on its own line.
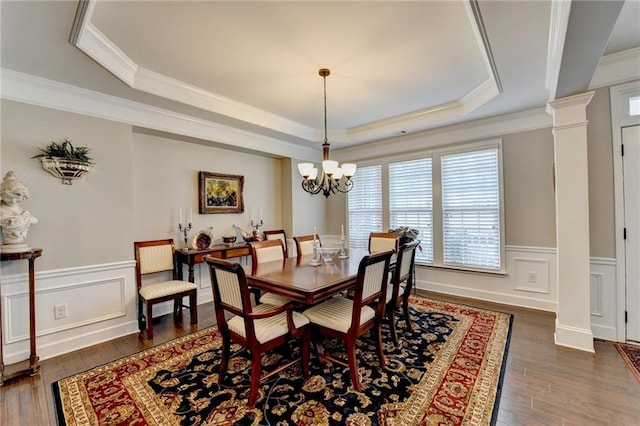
pixel 631 183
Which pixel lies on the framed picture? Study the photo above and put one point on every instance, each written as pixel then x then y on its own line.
pixel 219 193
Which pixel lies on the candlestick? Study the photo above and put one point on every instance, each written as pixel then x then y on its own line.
pixel 316 256
pixel 185 231
pixel 342 231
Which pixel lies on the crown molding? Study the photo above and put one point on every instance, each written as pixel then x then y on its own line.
pixel 96 45
pixel 617 68
pixel 29 89
pixel 523 121
pixel 559 22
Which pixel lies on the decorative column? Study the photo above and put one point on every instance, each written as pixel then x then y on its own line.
pixel 573 319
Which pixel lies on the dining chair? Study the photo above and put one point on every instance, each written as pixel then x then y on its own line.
pixel 304 244
pixel 381 241
pixel 399 288
pixel 258 328
pixel 268 251
pixel 154 257
pixel 347 318
pixel 278 234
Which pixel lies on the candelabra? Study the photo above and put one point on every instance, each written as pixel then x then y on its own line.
pixel 256 227
pixel 185 231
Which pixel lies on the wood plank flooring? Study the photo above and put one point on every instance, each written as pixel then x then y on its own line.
pixel 544 384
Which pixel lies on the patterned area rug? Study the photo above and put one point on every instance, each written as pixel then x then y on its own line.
pixel 631 356
pixel 448 371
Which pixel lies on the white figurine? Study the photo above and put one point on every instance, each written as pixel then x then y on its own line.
pixel 14 220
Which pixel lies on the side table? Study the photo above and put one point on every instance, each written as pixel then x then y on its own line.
pixel 192 257
pixel 34 367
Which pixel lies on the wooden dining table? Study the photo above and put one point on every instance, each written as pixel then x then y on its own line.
pixel 295 278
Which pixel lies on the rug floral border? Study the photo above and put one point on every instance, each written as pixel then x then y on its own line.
pixel 461 386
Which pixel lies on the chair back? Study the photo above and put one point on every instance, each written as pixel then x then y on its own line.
pixel 371 284
pixel 304 244
pixel 405 260
pixel 230 291
pixel 277 234
pixel 381 241
pixel 267 251
pixel 154 256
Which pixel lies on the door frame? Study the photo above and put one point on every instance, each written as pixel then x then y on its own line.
pixel 618 97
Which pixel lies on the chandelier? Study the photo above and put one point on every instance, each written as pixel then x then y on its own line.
pixel 334 178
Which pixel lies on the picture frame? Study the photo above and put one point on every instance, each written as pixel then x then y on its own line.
pixel 220 193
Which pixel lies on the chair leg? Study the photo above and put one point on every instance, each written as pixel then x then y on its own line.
pixel 177 308
pixel 224 359
pixel 391 311
pixel 306 348
pixel 193 305
pixel 149 321
pixel 353 366
pixel 377 330
pixel 142 323
pixel 256 367
pixel 405 309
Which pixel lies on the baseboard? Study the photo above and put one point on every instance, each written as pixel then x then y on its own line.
pixel 573 337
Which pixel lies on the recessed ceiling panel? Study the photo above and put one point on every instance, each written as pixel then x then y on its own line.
pixel 386 58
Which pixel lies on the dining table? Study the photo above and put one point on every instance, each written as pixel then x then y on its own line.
pixel 296 278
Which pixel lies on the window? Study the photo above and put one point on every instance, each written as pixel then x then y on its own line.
pixel 634 105
pixel 411 201
pixel 471 209
pixel 365 206
pixel 454 197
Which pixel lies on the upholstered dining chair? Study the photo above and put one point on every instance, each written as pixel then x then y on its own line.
pixel 154 257
pixel 280 235
pixel 349 318
pixel 381 241
pixel 304 244
pixel 258 328
pixel 269 251
pixel 399 288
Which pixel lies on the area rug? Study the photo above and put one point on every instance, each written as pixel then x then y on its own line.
pixel 447 371
pixel 631 356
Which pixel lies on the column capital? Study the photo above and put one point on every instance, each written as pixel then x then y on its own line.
pixel 570 110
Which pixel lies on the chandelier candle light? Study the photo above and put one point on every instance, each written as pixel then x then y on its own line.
pixel 334 178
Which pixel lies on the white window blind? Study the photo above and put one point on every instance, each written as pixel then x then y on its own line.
pixel 365 205
pixel 411 201
pixel 471 209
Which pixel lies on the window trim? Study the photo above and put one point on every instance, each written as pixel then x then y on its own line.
pixel 435 154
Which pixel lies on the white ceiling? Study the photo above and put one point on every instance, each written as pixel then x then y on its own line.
pixel 396 67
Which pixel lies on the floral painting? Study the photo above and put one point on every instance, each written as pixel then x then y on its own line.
pixel 220 193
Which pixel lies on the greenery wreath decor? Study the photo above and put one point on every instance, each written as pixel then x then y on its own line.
pixel 65 161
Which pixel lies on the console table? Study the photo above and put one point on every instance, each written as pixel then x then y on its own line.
pixel 33 368
pixel 193 257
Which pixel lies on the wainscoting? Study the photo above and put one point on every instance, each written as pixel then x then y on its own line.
pixel 531 282
pixel 75 308
pixel 100 300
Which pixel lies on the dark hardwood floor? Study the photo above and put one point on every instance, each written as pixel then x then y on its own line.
pixel 544 384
